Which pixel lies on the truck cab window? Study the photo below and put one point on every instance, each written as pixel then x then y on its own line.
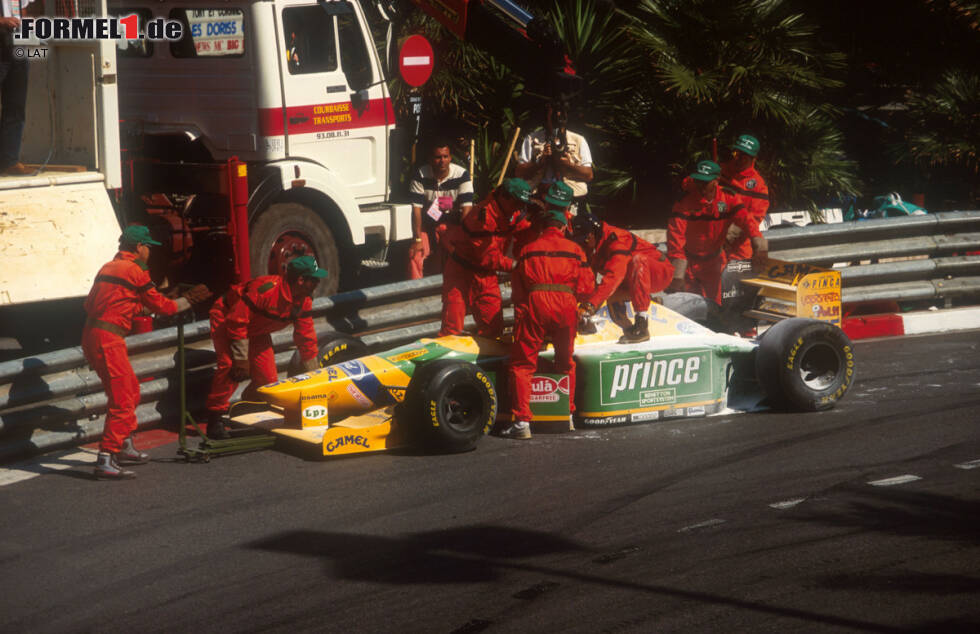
pixel 354 53
pixel 209 33
pixel 310 45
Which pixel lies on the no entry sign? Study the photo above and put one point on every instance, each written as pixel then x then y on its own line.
pixel 415 60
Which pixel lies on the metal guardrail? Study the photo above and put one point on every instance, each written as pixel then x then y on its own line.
pixel 53 400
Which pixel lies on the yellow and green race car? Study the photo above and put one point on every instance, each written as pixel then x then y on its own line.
pixel 443 394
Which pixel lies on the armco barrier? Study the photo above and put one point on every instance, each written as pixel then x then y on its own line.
pixel 52 400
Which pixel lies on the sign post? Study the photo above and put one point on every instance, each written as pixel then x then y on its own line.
pixel 415 61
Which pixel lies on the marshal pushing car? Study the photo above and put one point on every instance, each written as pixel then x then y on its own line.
pixel 444 394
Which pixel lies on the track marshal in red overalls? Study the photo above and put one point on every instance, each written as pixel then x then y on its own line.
pixel 740 175
pixel 121 291
pixel 241 324
pixel 551 278
pixel 478 253
pixel 631 268
pixel 697 230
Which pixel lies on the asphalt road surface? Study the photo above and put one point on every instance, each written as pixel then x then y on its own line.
pixel 862 519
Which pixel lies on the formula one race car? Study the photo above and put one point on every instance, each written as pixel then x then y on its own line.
pixel 444 394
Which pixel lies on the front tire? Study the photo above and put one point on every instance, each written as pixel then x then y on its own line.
pixel 449 405
pixel 335 348
pixel 805 364
pixel 285 231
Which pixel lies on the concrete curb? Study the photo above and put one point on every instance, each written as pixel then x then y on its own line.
pixel 912 323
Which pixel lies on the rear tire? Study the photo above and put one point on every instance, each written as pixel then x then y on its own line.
pixel 285 231
pixel 449 405
pixel 805 364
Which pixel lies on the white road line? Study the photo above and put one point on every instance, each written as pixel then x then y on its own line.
pixel 887 482
pixel 786 504
pixel 58 461
pixel 973 464
pixel 706 524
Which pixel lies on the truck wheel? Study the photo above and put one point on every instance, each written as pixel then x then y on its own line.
pixel 449 405
pixel 334 348
pixel 805 364
pixel 288 230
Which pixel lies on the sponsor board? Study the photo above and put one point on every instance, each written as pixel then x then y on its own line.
pixel 651 379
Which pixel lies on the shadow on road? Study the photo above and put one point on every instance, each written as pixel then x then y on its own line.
pixel 451 556
pixel 486 553
pixel 908 513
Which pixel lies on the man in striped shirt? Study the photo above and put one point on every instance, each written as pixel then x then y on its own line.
pixel 441 192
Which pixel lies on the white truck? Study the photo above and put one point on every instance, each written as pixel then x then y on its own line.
pixel 285 95
pixel 263 133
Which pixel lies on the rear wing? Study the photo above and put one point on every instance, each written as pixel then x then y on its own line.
pixel 792 289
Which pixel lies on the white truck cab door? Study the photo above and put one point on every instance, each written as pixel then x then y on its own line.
pixel 337 109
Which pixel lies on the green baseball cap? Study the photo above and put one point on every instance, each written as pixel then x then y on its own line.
pixel 557 214
pixel 747 144
pixel 518 188
pixel 706 171
pixel 306 265
pixel 137 234
pixel 559 194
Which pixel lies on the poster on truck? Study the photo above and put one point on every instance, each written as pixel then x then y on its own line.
pixel 217 32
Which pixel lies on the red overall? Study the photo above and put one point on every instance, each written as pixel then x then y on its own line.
pixel 251 312
pixel 754 194
pixel 631 264
pixel 696 232
pixel 122 288
pixel 551 277
pixel 469 279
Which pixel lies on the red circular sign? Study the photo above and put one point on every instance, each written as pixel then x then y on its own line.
pixel 415 60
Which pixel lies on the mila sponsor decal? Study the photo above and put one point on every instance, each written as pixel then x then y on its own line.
pixel 545 389
pixel 125 28
pixel 656 379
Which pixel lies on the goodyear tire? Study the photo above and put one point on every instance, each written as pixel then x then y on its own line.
pixel 335 348
pixel 805 364
pixel 449 406
pixel 285 231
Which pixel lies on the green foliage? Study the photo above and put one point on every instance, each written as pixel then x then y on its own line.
pixel 664 78
pixel 944 128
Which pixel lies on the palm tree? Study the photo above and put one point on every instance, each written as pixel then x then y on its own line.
pixel 718 69
pixel 662 79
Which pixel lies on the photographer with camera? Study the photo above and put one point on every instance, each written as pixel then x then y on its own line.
pixel 554 153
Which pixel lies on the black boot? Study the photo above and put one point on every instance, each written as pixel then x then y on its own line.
pixel 638 332
pixel 129 454
pixel 106 468
pixel 216 426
